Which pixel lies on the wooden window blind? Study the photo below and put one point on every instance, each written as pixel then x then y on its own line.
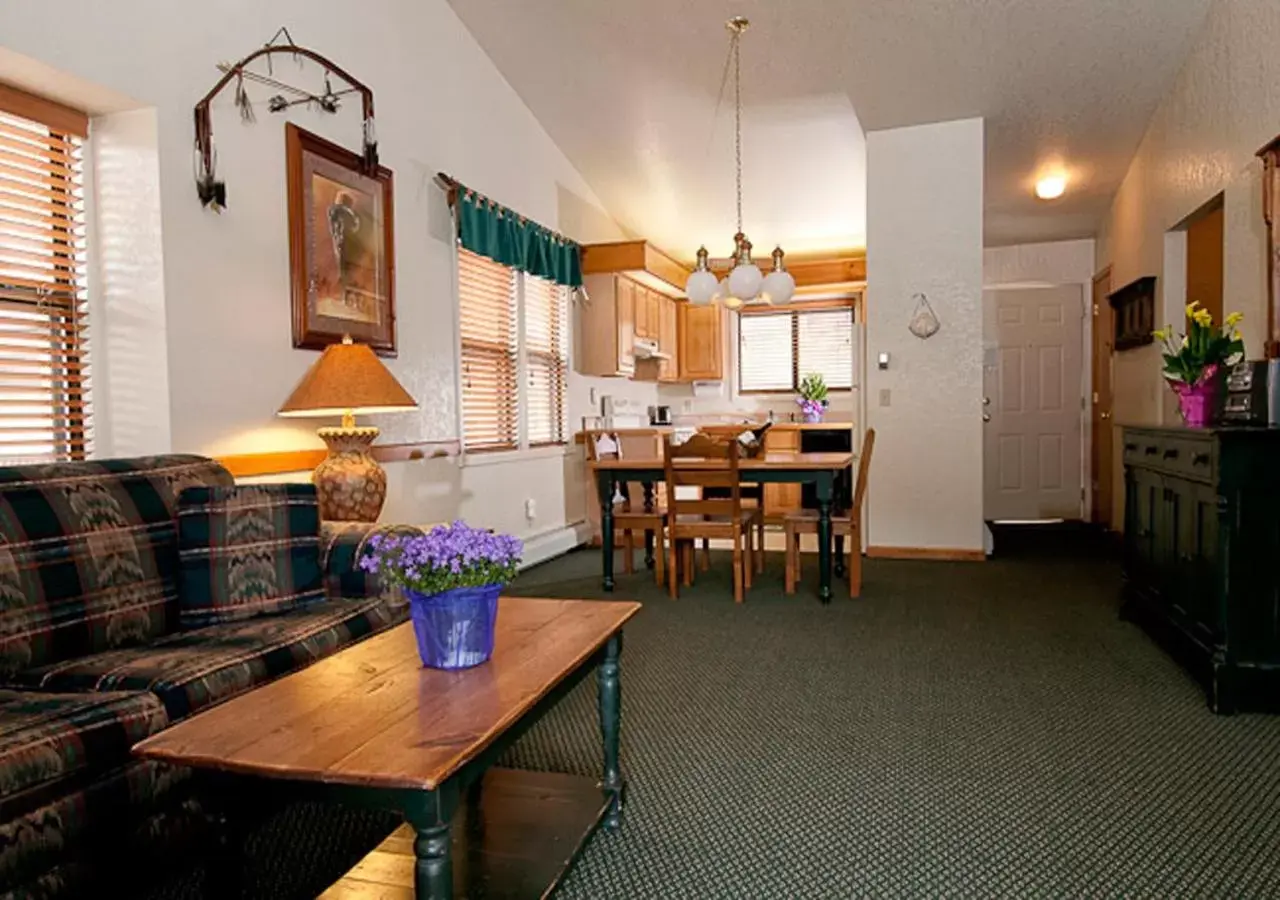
pixel 44 358
pixel 487 314
pixel 777 349
pixel 546 333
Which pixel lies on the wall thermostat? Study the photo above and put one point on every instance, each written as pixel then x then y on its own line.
pixel 883 360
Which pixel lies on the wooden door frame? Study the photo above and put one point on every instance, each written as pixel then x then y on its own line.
pixel 1099 513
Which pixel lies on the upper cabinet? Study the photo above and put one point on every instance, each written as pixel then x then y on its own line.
pixel 700 342
pixel 606 327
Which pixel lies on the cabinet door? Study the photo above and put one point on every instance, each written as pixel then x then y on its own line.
pixel 652 327
pixel 668 369
pixel 701 339
pixel 782 499
pixel 1200 551
pixel 642 296
pixel 1146 502
pixel 626 327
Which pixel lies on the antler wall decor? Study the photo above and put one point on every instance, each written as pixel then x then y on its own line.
pixel 213 192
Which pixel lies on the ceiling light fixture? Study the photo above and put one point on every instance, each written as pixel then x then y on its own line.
pixel 745 283
pixel 1051 187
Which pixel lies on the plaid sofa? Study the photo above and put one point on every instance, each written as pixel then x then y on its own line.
pixel 92 658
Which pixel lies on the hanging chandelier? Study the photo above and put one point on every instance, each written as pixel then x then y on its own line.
pixel 745 282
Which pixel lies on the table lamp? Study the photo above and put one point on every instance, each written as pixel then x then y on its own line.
pixel 348 379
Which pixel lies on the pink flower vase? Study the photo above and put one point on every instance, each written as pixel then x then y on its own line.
pixel 1196 401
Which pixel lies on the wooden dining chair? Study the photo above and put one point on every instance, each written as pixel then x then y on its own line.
pixel 630 517
pixel 694 464
pixel 849 526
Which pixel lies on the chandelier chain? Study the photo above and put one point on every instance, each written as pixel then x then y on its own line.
pixel 737 129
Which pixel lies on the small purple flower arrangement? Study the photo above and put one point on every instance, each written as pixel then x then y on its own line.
pixel 452 577
pixel 813 397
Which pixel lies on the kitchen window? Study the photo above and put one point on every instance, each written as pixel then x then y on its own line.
pixel 44 359
pixel 514 357
pixel 777 348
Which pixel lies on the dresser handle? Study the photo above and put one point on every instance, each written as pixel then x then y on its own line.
pixel 1200 459
pixel 1150 451
pixel 1171 453
pixel 1128 448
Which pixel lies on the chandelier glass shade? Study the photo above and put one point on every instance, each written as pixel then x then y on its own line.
pixel 745 282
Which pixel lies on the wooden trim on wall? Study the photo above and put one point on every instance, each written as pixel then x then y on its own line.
pixel 56 116
pixel 634 256
pixel 926 553
pixel 801 306
pixel 243 465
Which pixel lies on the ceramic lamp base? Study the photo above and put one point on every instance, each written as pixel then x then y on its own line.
pixel 350 485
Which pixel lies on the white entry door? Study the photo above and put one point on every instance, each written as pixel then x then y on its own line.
pixel 1033 451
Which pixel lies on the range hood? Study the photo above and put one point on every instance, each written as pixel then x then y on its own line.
pixel 647 348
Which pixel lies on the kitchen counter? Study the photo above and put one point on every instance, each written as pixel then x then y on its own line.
pixel 647 430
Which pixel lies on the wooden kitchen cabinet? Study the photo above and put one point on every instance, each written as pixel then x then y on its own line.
pixel 782 499
pixel 606 329
pixel 700 342
pixel 668 369
pixel 646 311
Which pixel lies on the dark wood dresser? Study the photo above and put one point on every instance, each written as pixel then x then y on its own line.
pixel 1202 555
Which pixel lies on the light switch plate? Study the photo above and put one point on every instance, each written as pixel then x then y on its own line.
pixel 884 396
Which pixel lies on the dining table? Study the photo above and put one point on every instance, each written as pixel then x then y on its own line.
pixel 821 469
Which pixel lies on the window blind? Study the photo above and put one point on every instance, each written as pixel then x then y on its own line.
pixel 44 358
pixel 487 316
pixel 824 344
pixel 765 359
pixel 546 332
pixel 777 349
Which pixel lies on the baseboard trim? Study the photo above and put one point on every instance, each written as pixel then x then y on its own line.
pixel 558 541
pixel 929 553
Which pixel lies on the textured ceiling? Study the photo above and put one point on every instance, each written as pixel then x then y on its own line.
pixel 628 91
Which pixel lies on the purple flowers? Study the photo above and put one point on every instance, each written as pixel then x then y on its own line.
pixel 448 556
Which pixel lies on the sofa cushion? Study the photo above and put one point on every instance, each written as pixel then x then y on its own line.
pixel 246 551
pixel 343 544
pixel 45 737
pixel 194 669
pixel 89 554
pixel 134 801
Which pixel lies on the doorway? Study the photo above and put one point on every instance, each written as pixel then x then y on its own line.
pixel 1033 448
pixel 1101 435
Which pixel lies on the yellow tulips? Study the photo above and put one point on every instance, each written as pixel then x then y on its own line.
pixel 1234 319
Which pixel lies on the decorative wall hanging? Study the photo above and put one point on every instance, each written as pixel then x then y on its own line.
pixel 1271 211
pixel 211 190
pixel 924 322
pixel 341 246
pixel 1135 313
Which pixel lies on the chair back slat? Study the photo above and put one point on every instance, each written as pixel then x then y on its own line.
pixel 695 464
pixel 864 467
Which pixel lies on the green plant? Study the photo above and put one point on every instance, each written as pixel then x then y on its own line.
pixel 1196 356
pixel 814 387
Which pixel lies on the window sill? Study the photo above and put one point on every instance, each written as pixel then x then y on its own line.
pixel 501 457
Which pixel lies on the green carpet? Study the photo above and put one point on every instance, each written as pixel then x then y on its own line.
pixel 963 730
pixel 967 730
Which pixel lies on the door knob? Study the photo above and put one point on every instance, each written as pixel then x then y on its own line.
pixel 986 401
pixel 986 417
pixel 1104 416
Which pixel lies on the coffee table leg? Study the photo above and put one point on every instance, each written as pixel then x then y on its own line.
pixel 433 870
pixel 610 726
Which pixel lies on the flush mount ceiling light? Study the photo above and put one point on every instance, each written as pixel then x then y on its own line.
pixel 1051 187
pixel 745 282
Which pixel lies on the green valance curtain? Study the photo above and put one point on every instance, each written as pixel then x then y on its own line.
pixel 492 230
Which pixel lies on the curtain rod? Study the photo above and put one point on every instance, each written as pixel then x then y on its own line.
pixel 452 186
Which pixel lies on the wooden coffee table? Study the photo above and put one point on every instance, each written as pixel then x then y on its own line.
pixel 371 726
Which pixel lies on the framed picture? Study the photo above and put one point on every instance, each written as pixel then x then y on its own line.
pixel 341 246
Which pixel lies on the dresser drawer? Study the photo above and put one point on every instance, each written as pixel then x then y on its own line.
pixel 1186 455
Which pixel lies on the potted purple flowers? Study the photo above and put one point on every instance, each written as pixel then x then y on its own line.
pixel 813 397
pixel 451 577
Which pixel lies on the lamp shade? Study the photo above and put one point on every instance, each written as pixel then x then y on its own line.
pixel 347 378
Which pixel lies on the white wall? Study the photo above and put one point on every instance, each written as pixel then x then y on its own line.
pixel 1224 106
pixel 441 105
pixel 924 234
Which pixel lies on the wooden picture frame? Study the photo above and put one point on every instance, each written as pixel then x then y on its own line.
pixel 1135 314
pixel 341 246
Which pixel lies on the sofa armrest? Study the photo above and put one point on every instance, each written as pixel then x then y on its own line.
pixel 342 544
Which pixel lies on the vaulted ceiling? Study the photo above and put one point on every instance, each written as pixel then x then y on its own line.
pixel 629 92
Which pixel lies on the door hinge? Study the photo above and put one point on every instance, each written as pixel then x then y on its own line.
pixel 1096 311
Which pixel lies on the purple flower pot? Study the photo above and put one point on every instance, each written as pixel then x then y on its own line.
pixel 455 629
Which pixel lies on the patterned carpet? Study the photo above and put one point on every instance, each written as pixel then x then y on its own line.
pixel 963 730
